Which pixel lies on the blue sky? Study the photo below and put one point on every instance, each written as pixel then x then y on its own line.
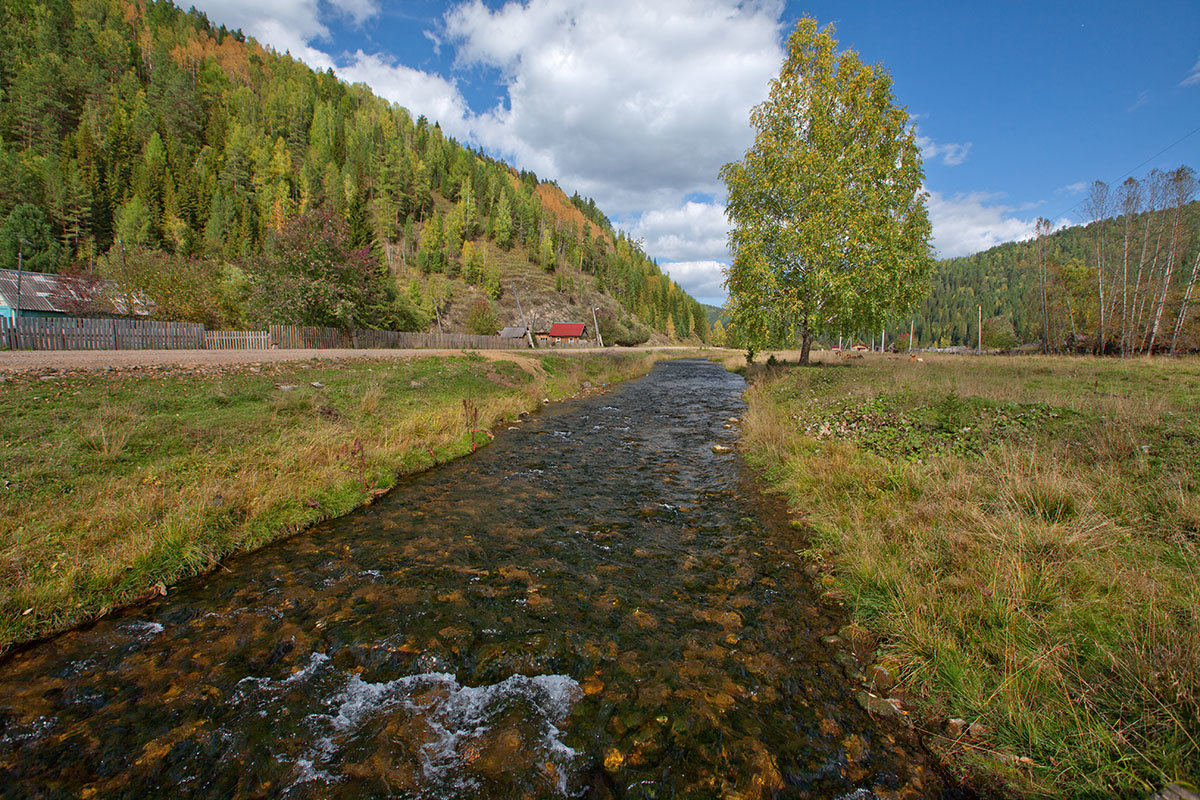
pixel 1018 105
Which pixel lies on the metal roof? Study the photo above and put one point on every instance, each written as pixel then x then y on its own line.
pixel 567 329
pixel 65 294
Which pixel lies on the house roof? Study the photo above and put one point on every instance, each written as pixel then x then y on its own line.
pixel 69 294
pixel 64 294
pixel 512 332
pixel 567 329
pixel 39 291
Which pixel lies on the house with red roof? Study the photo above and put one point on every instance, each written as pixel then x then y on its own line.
pixel 564 333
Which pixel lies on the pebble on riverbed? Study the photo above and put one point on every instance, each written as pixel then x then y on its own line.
pixel 720 448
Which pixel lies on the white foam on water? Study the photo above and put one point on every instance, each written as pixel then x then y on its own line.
pixel 31 731
pixel 455 718
pixel 859 794
pixel 142 628
pixel 525 473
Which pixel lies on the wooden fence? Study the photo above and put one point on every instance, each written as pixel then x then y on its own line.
pixel 291 337
pixel 81 333
pixel 237 340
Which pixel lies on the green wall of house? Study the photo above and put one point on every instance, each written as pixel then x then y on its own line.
pixel 6 312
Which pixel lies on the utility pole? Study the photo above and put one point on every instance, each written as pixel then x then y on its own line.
pixel 17 310
pixel 528 330
pixel 883 340
pixel 596 322
pixel 912 324
pixel 979 349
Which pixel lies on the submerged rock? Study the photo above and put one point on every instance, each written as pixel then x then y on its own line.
pixel 880 678
pixel 878 706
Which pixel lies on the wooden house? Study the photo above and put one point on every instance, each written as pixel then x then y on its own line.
pixel 566 332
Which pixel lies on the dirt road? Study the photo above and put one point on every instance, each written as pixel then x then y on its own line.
pixel 36 361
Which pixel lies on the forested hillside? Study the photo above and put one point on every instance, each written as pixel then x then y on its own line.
pixel 1140 255
pixel 234 186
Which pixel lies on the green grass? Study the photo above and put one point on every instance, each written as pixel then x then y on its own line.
pixel 113 486
pixel 1023 536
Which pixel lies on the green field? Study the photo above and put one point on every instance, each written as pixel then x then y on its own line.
pixel 116 486
pixel 1022 537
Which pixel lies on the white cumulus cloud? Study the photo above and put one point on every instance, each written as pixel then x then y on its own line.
pixel 419 92
pixel 358 10
pixel 967 223
pixel 635 104
pixel 703 280
pixel 691 231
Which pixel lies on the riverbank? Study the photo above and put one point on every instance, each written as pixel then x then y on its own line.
pixel 1022 536
pixel 117 484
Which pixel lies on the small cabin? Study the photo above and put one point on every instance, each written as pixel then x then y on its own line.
pixel 566 332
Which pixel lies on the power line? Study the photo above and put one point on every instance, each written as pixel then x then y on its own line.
pixel 1187 135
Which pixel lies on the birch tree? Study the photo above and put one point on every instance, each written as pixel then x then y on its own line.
pixel 829 226
pixel 1096 206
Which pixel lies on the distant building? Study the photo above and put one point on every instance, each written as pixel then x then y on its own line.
pixel 46 295
pixel 566 332
pixel 513 332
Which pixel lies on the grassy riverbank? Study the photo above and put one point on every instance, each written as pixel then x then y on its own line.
pixel 1023 537
pixel 115 486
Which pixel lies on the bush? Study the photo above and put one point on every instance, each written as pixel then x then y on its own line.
pixel 311 274
pixel 482 320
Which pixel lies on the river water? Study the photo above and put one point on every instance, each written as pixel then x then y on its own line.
pixel 597 605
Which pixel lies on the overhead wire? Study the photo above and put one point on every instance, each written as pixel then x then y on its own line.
pixel 1178 141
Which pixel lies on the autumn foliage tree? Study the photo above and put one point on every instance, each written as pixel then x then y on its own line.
pixel 311 274
pixel 829 227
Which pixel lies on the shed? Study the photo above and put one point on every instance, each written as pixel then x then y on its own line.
pixel 513 332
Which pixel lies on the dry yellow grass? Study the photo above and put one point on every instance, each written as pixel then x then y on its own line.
pixel 1023 535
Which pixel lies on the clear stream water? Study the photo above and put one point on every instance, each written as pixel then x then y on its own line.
pixel 597 605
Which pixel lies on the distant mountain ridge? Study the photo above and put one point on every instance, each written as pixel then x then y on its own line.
pixel 1004 280
pixel 134 130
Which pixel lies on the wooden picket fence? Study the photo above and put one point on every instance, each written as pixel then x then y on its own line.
pixel 292 337
pixel 83 333
pixel 237 340
pixel 305 337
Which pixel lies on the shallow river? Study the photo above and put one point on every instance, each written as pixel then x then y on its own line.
pixel 596 605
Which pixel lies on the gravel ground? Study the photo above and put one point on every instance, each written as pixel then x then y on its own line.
pixel 39 362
